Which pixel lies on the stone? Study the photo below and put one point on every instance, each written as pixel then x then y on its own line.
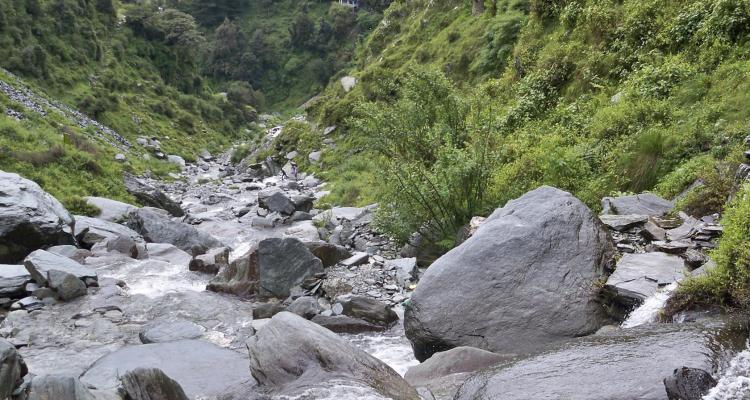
pixel 275 200
pixel 168 253
pixel 444 372
pixel 28 303
pixel 652 231
pixel 348 83
pixel 13 280
pixel 40 262
pixel 151 196
pixel 170 331
pixel 688 384
pixel 240 277
pixel 329 254
pixel 291 155
pixel 623 222
pixel 90 231
pixel 638 276
pixel 177 160
pixel 369 310
pixel 616 366
pixel 290 354
pixel 267 310
pixel 642 204
pixel 57 387
pixel 300 216
pixel 72 252
pixel 406 270
pixel 110 210
pixel 123 245
pixel 345 324
pixel 673 247
pixel 201 368
pixel 306 307
pixel 12 369
pixel 120 157
pixel 30 218
pixel 283 264
pixel 156 228
pixel 151 384
pixel 542 255
pixel 304 231
pixel 420 246
pixel 303 202
pixel 211 262
pixel 66 285
pixel 356 259
pixel 315 156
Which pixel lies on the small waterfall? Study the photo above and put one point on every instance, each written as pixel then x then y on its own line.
pixel 734 383
pixel 649 310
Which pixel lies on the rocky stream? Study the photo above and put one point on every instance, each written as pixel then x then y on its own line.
pixel 231 285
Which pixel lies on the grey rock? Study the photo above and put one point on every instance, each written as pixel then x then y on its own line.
pixel 303 203
pixel 369 310
pixel 267 310
pixel 90 231
pixel 30 218
pixel 201 368
pixel 156 228
pixel 623 222
pixel 328 253
pixel 283 264
pixel 345 324
pixel 290 354
pixel 124 245
pixel 642 204
pixel 356 259
pixel 423 247
pixel 240 277
pixel 177 160
pixel 13 280
pixel 275 200
pixel 12 369
pixel 638 276
pixel 168 253
pixel 72 252
pixel 406 269
pixel 58 387
pixel 688 384
pixel 542 254
pixel 652 231
pixel 110 210
pixel 169 331
pixel 66 285
pixel 211 262
pixel 40 262
pixel 151 384
pixel 314 157
pixel 306 307
pixel 151 196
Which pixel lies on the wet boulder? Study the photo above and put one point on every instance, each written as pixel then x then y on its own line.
pixel 369 310
pixel 110 210
pixel 290 354
pixel 151 384
pixel 12 369
pixel 151 196
pixel 622 365
pixel 541 255
pixel 641 204
pixel 58 387
pixel 201 368
pixel 156 228
pixel 168 253
pixel 170 331
pixel 30 218
pixel 13 280
pixel 688 384
pixel 240 277
pixel 284 264
pixel 41 262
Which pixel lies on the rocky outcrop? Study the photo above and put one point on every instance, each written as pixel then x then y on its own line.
pixel 12 369
pixel 151 384
pixel 157 228
pixel 623 365
pixel 290 354
pixel 688 384
pixel 541 255
pixel 151 196
pixel 30 218
pixel 641 204
pixel 284 264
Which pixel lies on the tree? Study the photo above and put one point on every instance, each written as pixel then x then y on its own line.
pixel 302 31
pixel 226 51
pixel 213 12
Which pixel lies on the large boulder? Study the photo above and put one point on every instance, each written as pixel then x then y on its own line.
pixel 90 231
pixel 642 204
pixel 110 210
pixel 151 384
pixel 284 264
pixel 13 280
pixel 156 228
pixel 274 200
pixel 623 365
pixel 12 369
pixel 151 196
pixel 290 354
pixel 41 262
pixel 527 279
pixel 240 277
pixel 201 368
pixel 638 276
pixel 443 373
pixel 30 218
pixel 66 285
pixel 58 387
pixel 688 384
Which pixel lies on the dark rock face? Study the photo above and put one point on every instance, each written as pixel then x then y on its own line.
pixel 688 384
pixel 624 365
pixel 201 368
pixel 170 331
pixel 344 324
pixel 284 264
pixel 443 373
pixel 276 201
pixel 328 253
pixel 370 310
pixel 525 280
pixel 157 228
pixel 12 369
pixel 13 280
pixel 642 204
pixel 58 387
pixel 306 307
pixel 267 310
pixel 211 262
pixel 41 262
pixel 291 353
pixel 151 384
pixel 30 218
pixel 151 196
pixel 240 277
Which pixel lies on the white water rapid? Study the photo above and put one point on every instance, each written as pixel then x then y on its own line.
pixel 649 310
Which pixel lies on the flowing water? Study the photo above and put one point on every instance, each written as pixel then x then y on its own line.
pixel 649 310
pixel 734 384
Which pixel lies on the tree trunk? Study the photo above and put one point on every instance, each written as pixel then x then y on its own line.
pixel 478 7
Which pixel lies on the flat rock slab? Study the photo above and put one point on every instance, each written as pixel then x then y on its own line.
pixel 111 210
pixel 170 331
pixel 623 222
pixel 201 368
pixel 644 204
pixel 40 262
pixel 356 259
pixel 638 276
pixel 13 279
